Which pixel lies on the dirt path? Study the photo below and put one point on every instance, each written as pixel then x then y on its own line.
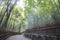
pixel 17 37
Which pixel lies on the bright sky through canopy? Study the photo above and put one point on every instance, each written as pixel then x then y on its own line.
pixel 20 3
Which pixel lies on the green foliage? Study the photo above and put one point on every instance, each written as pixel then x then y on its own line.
pixel 34 13
pixel 42 12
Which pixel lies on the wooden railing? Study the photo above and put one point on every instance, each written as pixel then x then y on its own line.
pixel 44 33
pixel 7 34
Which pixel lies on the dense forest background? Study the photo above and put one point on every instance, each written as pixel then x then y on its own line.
pixel 18 15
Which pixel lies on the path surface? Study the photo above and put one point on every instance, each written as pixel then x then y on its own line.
pixel 17 37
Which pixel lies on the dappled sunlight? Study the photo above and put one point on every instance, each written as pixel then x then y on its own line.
pixel 20 4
